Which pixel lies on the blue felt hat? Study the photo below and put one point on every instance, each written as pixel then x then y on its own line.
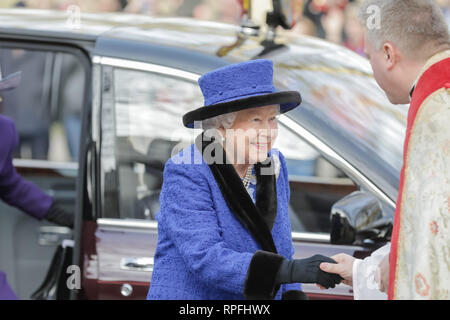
pixel 240 86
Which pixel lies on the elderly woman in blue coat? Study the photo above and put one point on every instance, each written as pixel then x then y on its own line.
pixel 223 225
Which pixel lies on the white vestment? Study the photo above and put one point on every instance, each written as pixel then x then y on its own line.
pixel 364 285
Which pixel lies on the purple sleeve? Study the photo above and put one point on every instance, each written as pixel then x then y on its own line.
pixel 15 190
pixel 6 293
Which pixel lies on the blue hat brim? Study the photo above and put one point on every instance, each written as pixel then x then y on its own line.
pixel 287 100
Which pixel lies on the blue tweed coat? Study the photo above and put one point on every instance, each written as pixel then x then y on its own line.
pixel 203 251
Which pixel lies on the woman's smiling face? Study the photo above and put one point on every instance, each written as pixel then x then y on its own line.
pixel 252 134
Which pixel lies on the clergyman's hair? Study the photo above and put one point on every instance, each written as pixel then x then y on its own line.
pixel 417 27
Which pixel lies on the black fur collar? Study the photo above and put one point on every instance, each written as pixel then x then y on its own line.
pixel 259 218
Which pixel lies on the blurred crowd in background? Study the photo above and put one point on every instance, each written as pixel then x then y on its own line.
pixel 334 20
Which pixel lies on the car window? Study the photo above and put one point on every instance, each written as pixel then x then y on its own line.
pixel 147 127
pixel 315 184
pixel 148 130
pixel 46 106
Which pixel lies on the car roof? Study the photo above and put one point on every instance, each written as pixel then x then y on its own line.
pixel 127 36
pixel 133 36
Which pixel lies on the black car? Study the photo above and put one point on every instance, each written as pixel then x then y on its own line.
pixel 126 80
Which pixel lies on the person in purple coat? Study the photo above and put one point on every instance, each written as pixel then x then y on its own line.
pixel 18 192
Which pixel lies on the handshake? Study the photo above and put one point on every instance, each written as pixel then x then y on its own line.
pixel 308 271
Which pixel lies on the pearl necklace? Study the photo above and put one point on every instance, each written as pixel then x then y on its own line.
pixel 248 177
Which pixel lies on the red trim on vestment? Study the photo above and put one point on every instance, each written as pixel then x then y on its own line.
pixel 432 80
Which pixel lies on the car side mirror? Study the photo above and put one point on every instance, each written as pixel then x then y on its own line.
pixel 359 217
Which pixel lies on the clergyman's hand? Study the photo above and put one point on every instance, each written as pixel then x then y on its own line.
pixel 344 267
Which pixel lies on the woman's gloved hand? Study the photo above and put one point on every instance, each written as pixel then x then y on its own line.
pixel 307 271
pixel 59 216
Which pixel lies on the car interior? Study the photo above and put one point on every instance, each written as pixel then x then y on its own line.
pixel 54 83
pixel 140 189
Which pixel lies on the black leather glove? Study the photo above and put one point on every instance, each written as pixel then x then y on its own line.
pixel 307 271
pixel 60 216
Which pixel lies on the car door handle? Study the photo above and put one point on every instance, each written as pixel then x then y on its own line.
pixel 137 264
pixel 53 235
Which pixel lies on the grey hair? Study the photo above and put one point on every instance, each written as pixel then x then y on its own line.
pixel 226 121
pixel 409 24
pixel 212 124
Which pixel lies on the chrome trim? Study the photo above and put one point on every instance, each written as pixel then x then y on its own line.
pixel 333 157
pixel 135 224
pixel 322 180
pixel 96 100
pixel 143 264
pixel 144 66
pixel 96 59
pixel 312 237
pixel 55 230
pixel 143 225
pixel 126 290
pixel 44 164
pixel 53 235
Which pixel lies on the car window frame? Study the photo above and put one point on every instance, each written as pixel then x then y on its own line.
pixel 359 178
pixel 72 168
pixel 103 63
pixel 83 57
